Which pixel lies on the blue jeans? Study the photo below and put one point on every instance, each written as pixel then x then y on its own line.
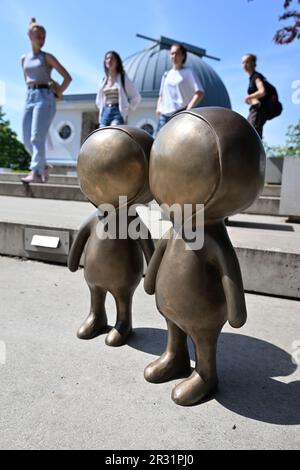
pixel 39 111
pixel 163 119
pixel 111 116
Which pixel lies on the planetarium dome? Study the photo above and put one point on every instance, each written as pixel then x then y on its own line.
pixel 146 68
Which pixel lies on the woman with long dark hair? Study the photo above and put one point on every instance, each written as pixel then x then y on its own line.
pixel 117 94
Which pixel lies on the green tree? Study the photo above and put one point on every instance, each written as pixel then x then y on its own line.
pixel 292 146
pixel 293 139
pixel 290 32
pixel 12 152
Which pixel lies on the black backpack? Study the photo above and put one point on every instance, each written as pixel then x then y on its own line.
pixel 270 103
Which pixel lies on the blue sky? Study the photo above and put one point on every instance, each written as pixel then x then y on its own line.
pixel 80 32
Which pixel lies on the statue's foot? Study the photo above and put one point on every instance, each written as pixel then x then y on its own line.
pixel 193 390
pixel 168 366
pixel 119 334
pixel 92 327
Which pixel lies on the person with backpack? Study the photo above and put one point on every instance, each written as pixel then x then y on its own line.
pixel 262 96
pixel 117 94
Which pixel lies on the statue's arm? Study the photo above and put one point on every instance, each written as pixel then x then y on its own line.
pixel 229 268
pixel 146 242
pixel 150 277
pixel 79 243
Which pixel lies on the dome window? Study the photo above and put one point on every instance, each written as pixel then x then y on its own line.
pixel 65 132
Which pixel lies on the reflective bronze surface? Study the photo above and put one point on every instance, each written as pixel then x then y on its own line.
pixel 211 156
pixel 113 162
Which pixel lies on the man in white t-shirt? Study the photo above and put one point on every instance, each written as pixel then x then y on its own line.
pixel 179 89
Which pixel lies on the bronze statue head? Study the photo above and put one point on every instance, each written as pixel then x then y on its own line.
pixel 209 156
pixel 113 162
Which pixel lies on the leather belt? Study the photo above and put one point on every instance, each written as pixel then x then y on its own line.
pixel 38 87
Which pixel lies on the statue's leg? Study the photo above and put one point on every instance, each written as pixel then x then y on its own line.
pixel 204 379
pixel 123 327
pixel 174 362
pixel 96 322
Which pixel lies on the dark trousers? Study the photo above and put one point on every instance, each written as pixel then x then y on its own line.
pixel 257 118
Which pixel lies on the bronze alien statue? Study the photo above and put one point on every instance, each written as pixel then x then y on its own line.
pixel 209 156
pixel 113 162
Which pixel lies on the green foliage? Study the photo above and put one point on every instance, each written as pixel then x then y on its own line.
pixel 288 33
pixel 12 152
pixel 292 146
pixel 293 139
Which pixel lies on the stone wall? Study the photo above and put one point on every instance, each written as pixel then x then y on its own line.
pixel 89 124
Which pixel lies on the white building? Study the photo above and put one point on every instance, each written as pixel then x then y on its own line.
pixel 77 115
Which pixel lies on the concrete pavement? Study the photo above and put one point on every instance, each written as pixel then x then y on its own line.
pixel 58 392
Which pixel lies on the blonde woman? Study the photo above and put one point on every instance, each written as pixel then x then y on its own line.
pixel 40 104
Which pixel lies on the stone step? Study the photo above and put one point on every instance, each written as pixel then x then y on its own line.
pixel 42 191
pixel 264 205
pixel 273 190
pixel 53 179
pixel 268 248
pixel 58 188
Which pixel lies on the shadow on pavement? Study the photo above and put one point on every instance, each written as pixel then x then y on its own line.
pixel 247 370
pixel 260 225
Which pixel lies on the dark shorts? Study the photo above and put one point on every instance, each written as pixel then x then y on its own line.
pixel 111 116
pixel 257 118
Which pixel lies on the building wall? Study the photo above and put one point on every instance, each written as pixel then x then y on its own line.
pixel 81 118
pixel 144 114
pixel 64 150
